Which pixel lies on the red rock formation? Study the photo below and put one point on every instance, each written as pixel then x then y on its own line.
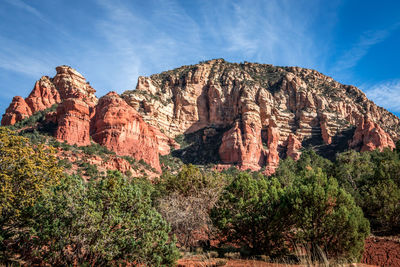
pixel 242 145
pixel 281 105
pixel 17 111
pixel 164 142
pixel 71 84
pixel 73 117
pixel 326 135
pixel 120 128
pixel 43 96
pixel 217 93
pixel 293 147
pixel 370 136
pixel 272 143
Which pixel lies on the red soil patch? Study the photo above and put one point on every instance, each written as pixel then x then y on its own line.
pixel 382 251
pixel 197 261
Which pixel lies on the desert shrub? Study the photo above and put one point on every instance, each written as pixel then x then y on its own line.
pixel 89 169
pixel 185 199
pixel 96 149
pixel 26 172
pixel 313 211
pixel 373 178
pixel 65 163
pixel 170 163
pixel 353 170
pixel 325 216
pixel 189 181
pixel 289 169
pixel 249 212
pixel 105 222
pixel 381 203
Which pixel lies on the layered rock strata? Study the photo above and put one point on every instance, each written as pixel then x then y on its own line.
pixel 261 113
pixel 270 110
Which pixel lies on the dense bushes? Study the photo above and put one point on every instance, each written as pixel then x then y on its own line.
pixel 313 203
pixel 47 218
pixel 324 216
pixel 26 173
pixel 250 213
pixel 313 211
pixel 99 222
pixel 110 221
pixel 373 178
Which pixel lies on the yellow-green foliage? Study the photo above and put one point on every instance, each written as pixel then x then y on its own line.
pixel 25 171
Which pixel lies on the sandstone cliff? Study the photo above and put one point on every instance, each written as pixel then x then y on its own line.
pixel 268 111
pixel 79 117
pixel 120 128
pixel 249 115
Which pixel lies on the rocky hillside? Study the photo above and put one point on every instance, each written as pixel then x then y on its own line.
pixel 265 112
pixel 81 118
pixel 249 115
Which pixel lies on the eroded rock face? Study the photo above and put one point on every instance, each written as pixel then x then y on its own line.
pixel 73 118
pixel 293 147
pixel 17 111
pixel 303 105
pixel 68 83
pixel 272 144
pixel 370 136
pixel 241 145
pixel 43 96
pixel 120 128
pixel 71 84
pixel 261 112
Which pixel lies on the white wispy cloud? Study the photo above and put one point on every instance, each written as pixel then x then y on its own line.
pixel 21 58
pixel 22 5
pixel 386 94
pixel 358 50
pixel 139 45
pixel 277 32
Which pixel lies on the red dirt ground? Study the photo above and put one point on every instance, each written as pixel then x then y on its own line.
pixel 382 251
pixel 197 261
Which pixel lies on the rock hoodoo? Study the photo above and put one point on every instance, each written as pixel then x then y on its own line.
pixel 370 136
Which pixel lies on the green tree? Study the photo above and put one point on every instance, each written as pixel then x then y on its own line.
pixel 382 204
pixel 26 172
pixel 289 169
pixel 373 178
pixel 353 170
pixel 250 213
pixel 105 222
pixel 326 216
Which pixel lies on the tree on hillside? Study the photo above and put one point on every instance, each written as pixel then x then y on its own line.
pixel 105 222
pixel 325 216
pixel 250 213
pixel 26 172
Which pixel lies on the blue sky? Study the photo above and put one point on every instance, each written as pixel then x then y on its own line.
pixel 112 42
